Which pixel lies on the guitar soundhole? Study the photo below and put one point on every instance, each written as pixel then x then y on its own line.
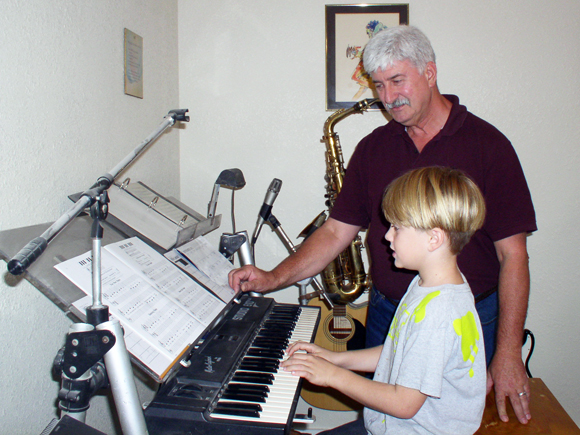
pixel 340 328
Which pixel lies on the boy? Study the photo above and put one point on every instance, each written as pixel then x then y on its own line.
pixel 430 374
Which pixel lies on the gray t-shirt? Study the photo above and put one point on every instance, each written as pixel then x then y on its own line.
pixel 434 345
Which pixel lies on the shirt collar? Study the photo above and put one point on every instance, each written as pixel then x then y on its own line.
pixel 454 122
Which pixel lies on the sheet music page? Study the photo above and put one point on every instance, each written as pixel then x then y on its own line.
pixel 162 310
pixel 225 293
pixel 168 279
pixel 211 263
pixel 155 360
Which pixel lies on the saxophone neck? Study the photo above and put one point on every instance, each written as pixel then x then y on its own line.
pixel 358 107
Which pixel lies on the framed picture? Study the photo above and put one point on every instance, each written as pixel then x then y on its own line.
pixel 348 29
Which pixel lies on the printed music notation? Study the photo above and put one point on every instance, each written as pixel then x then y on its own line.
pixel 163 311
pixel 198 258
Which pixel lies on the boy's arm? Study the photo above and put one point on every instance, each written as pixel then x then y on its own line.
pixel 395 400
pixel 363 360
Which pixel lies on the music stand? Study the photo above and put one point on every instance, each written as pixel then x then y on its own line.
pixel 79 362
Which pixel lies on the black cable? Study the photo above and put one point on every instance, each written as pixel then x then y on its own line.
pixel 527 333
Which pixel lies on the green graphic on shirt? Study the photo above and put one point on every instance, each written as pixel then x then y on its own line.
pixel 466 328
pixel 403 315
pixel 421 309
pixel 398 321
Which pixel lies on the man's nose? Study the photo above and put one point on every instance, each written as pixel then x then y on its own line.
pixel 388 94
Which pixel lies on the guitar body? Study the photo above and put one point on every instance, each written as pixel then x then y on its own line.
pixel 340 329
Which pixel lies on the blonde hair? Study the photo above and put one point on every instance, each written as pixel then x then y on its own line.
pixel 436 197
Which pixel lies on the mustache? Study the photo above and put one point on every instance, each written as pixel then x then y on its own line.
pixel 398 103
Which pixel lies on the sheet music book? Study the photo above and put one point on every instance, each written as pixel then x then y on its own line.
pixel 163 310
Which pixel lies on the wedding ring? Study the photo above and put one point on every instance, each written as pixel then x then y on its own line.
pixel 523 393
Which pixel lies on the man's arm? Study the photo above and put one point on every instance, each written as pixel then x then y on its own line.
pixel 314 254
pixel 506 371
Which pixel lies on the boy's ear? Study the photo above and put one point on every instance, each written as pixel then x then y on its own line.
pixel 437 238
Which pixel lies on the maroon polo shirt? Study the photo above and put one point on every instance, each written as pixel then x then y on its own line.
pixel 466 142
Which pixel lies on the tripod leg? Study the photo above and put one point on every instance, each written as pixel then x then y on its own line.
pixel 122 383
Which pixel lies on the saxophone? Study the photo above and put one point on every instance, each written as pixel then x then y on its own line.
pixel 345 275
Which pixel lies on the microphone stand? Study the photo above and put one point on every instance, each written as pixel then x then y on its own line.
pixel 36 247
pixel 277 227
pixel 79 362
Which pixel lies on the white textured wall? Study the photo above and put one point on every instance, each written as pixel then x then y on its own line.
pixel 64 121
pixel 253 76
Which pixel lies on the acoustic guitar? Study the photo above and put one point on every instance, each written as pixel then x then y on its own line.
pixel 340 329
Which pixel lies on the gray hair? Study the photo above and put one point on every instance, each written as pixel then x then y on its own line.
pixel 397 44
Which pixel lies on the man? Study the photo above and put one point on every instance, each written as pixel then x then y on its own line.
pixel 429 129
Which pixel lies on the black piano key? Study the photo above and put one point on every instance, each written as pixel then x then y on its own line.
pixel 235 405
pixel 248 388
pixel 237 412
pixel 272 338
pixel 239 409
pixel 270 365
pixel 257 351
pixel 285 327
pixel 258 368
pixel 254 378
pixel 265 360
pixel 281 319
pixel 245 397
pixel 275 333
pixel 271 344
pixel 286 309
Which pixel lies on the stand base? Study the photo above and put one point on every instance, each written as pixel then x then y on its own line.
pixel 69 426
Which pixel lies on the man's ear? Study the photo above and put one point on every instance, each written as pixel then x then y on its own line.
pixel 431 73
pixel 437 238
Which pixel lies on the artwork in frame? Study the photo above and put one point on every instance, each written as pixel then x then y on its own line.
pixel 348 29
